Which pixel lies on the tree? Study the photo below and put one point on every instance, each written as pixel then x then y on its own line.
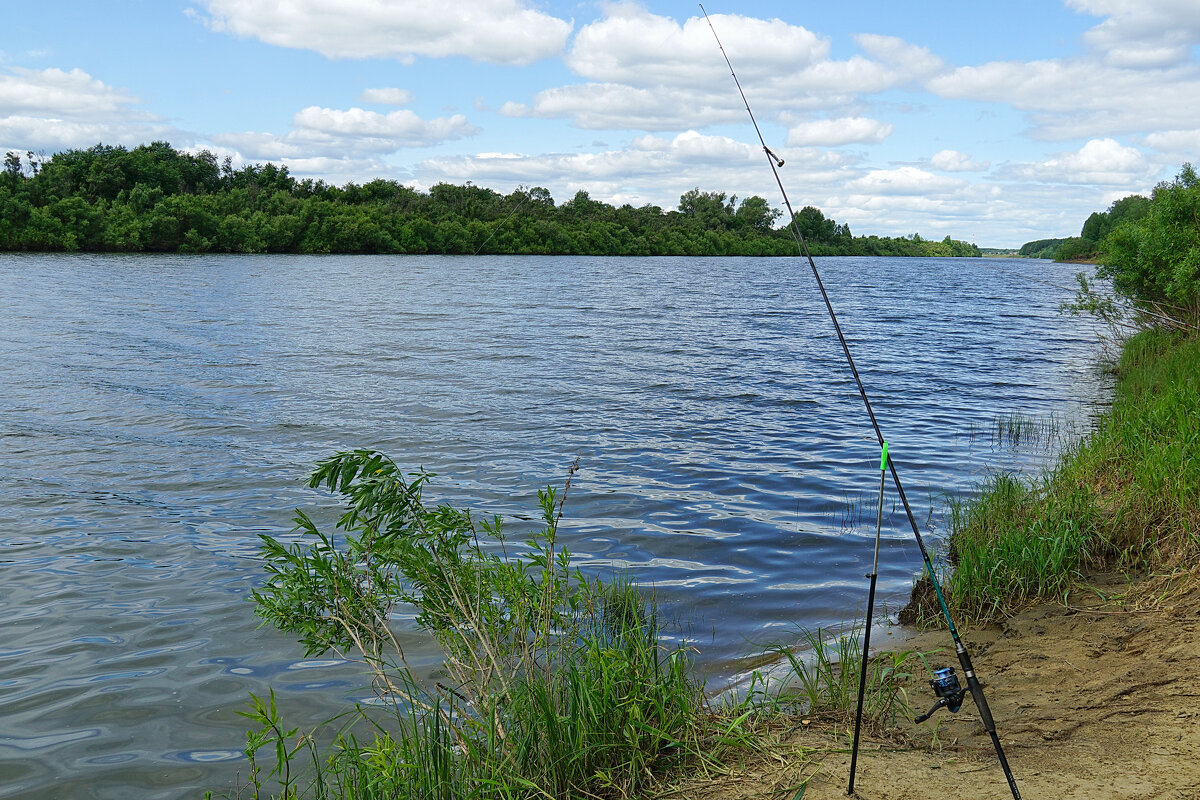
pixel 1156 258
pixel 755 213
pixel 814 226
pixel 710 209
pixel 12 167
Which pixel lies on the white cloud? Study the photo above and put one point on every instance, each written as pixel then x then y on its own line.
pixel 912 61
pixel 954 161
pixel 649 72
pixel 611 106
pixel 50 135
pixel 54 109
pixel 381 132
pixel 1138 75
pixel 651 169
pixel 503 31
pixel 1184 144
pixel 1142 33
pixel 1103 162
pixel 904 181
pixel 634 47
pixel 59 93
pixel 1080 97
pixel 317 131
pixel 387 97
pixel 834 132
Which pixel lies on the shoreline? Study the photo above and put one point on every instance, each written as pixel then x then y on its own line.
pixel 1087 670
pixel 1091 700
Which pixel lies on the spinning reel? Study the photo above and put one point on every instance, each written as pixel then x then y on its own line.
pixel 950 693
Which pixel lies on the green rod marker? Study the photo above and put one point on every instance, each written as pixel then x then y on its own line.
pixel 883 458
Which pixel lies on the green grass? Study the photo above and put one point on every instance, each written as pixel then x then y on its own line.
pixel 822 678
pixel 1126 496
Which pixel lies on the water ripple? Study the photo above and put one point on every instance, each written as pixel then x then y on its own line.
pixel 161 411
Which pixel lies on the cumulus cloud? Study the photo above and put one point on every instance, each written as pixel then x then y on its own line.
pixel 1103 162
pixel 502 31
pixel 904 181
pixel 912 61
pixel 637 48
pixel 954 161
pixel 650 72
pixel 318 131
pixel 650 169
pixel 1071 99
pixel 378 132
pixel 55 109
pixel 1142 33
pixel 1137 75
pixel 60 93
pixel 834 132
pixel 387 97
pixel 1184 144
pixel 612 106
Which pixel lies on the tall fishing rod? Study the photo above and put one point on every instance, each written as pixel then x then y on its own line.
pixel 945 684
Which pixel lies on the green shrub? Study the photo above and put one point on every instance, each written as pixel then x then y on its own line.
pixel 556 684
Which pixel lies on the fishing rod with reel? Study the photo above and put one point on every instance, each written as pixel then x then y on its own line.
pixel 945 683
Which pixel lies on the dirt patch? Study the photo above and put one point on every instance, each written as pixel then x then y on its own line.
pixel 1093 700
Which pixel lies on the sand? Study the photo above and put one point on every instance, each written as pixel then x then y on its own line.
pixel 1095 699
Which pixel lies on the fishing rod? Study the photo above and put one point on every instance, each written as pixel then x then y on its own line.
pixel 866 647
pixel 945 683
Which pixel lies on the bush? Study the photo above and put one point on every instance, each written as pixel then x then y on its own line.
pixel 555 685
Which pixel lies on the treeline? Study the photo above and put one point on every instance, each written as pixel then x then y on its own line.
pixel 157 199
pixel 1087 244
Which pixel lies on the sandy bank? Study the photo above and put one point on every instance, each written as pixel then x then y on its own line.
pixel 1093 700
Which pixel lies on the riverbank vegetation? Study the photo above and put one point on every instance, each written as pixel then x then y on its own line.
pixel 1128 495
pixel 154 198
pixel 554 684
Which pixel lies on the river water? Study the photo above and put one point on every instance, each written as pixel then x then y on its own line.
pixel 161 412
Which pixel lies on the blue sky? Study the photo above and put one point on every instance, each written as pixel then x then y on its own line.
pixel 993 122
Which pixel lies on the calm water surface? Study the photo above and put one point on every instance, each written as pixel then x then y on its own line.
pixel 160 412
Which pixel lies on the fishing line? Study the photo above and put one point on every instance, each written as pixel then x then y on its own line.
pixel 495 230
pixel 941 681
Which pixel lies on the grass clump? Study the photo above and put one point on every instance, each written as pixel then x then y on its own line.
pixel 822 679
pixel 1127 496
pixel 555 684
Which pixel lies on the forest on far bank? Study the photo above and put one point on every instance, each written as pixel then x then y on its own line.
pixel 154 198
pixel 1087 245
